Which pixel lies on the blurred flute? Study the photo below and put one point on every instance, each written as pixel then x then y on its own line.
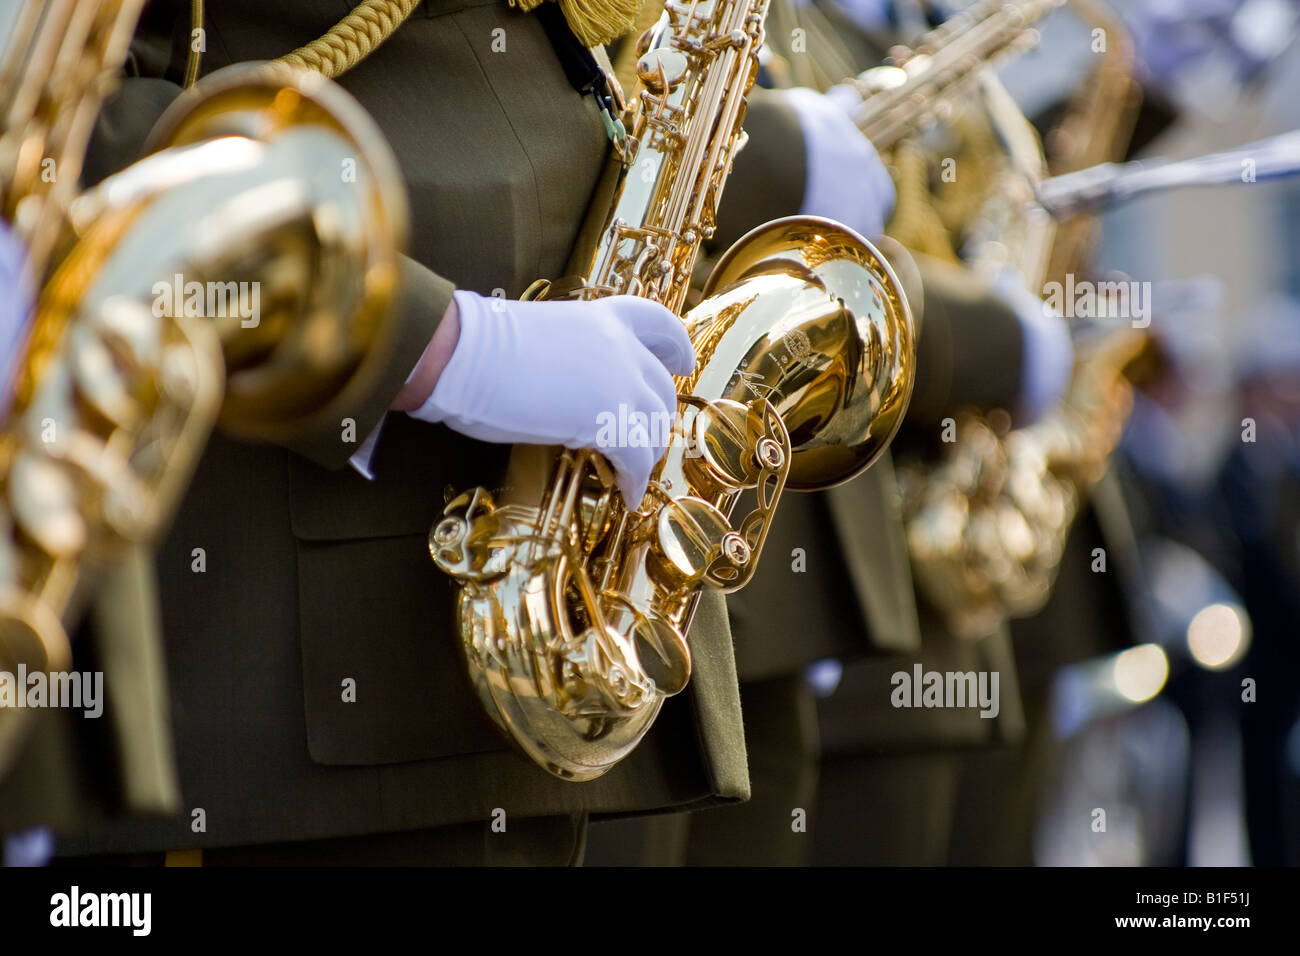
pixel 1106 184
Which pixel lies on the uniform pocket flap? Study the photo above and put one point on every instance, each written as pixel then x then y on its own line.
pixel 383 679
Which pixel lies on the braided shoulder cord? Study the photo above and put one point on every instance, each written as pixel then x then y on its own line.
pixel 353 38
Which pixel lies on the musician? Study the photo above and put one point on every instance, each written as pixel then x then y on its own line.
pixel 835 583
pixel 321 712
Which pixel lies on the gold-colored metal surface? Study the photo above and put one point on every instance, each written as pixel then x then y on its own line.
pixel 987 523
pixel 573 604
pixel 56 61
pixel 243 200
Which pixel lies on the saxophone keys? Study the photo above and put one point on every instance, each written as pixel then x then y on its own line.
pixel 770 454
pixel 689 535
pixel 735 549
pixel 662 69
pixel 46 505
pixel 725 447
pixel 466 541
pixel 662 653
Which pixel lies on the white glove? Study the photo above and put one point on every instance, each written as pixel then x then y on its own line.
pixel 559 373
pixel 15 314
pixel 1047 353
pixel 845 179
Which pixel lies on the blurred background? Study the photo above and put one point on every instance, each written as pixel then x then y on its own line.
pixel 1207 770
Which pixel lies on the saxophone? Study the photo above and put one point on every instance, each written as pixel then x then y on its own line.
pixel 988 522
pixel 573 605
pixel 118 386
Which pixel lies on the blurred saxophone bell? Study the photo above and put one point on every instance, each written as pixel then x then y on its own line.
pixel 242 273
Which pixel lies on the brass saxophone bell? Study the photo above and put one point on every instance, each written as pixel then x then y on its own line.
pixel 838 359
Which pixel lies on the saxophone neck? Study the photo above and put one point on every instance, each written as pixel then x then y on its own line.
pixel 919 81
pixel 657 201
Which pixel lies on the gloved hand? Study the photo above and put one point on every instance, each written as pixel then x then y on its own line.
pixel 844 179
pixel 15 314
pixel 1047 352
pixel 560 373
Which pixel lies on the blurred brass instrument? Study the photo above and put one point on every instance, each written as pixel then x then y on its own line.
pixel 987 523
pixel 574 604
pixel 946 83
pixel 919 84
pixel 282 270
